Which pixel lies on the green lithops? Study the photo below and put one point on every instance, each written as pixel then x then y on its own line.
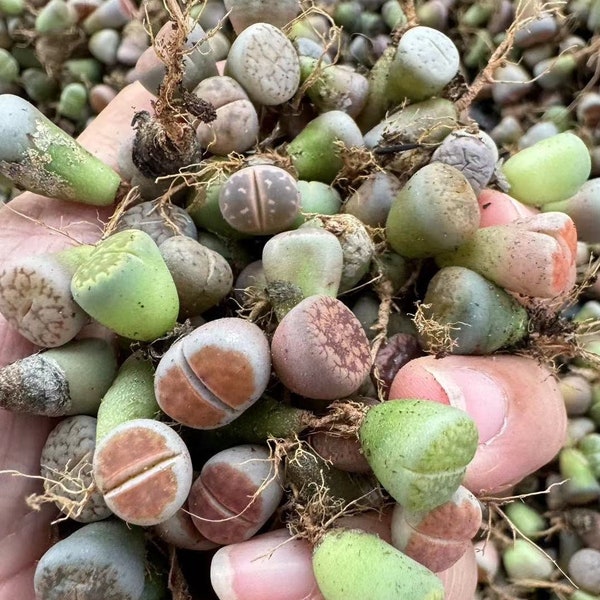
pixel 353 565
pixel 418 449
pixel 126 286
pixel 425 61
pixel 315 151
pixel 38 156
pixel 479 316
pixel 435 211
pixel 549 171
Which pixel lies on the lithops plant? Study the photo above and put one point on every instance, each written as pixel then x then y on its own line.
pixel 315 151
pixel 476 316
pixel 549 171
pixel 352 564
pixel 201 275
pixel 130 396
pixel 358 248
pixel 69 380
pixel 213 374
pixel 36 298
pixel 439 538
pixel 320 350
pixel 235 128
pixel 236 492
pixel 435 211
pixel 264 61
pixel 159 220
pixel 38 156
pixel 100 561
pixel 126 285
pixel 424 62
pixel 144 471
pixel 260 200
pixel 418 450
pixel 496 252
pixel 66 466
pixel 301 263
pixel 474 155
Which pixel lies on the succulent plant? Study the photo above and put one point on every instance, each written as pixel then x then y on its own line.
pixel 126 285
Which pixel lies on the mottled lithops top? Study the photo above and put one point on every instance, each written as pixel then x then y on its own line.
pixel 265 62
pixel 260 200
pixel 66 465
pixel 159 220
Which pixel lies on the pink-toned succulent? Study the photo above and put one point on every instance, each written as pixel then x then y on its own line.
pixel 498 208
pixel 320 349
pixel 533 256
pixel 437 539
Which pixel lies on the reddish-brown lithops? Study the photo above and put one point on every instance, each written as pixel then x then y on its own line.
pixel 236 492
pixel 213 374
pixel 179 531
pixel 260 200
pixel 320 350
pixel 144 470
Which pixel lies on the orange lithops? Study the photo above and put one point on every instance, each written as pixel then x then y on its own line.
pixel 144 470
pixel 209 377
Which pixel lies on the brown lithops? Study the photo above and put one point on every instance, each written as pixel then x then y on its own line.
pixel 144 470
pixel 209 377
pixel 236 492
pixel 320 349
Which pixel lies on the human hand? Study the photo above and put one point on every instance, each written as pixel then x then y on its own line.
pixel 29 225
pixel 26 534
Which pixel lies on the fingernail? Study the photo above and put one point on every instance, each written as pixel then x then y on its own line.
pixel 478 394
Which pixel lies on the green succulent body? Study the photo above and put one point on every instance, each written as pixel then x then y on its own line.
pixel 482 316
pixel 354 565
pixel 38 156
pixel 126 286
pixel 549 171
pixel 418 450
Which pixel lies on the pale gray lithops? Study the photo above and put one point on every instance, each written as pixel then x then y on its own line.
pixel 160 220
pixel 469 153
pixel 236 127
pixel 66 466
pixel 260 199
pixel 265 62
pixel 243 13
pixel 36 298
pixel 426 60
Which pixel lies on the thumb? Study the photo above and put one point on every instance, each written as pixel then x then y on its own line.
pixel 514 401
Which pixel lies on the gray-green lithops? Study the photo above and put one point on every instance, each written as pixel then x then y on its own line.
pixel 435 211
pixel 66 466
pixel 126 286
pixel 201 275
pixel 38 156
pixel 61 381
pixel 425 61
pixel 265 63
pixel 100 561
